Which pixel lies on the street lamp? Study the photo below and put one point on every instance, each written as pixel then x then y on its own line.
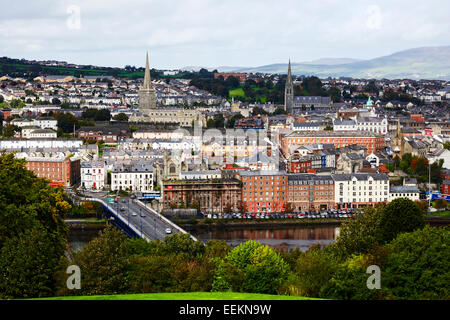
pixel 429 184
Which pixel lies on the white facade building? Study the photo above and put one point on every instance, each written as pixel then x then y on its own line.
pixel 135 177
pixel 93 175
pixel 371 124
pixel 410 192
pixel 360 189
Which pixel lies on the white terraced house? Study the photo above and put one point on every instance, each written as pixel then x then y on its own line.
pixel 93 175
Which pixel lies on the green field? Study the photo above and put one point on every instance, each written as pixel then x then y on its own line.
pixel 184 296
pixel 238 92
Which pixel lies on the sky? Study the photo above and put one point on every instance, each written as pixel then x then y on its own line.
pixel 213 33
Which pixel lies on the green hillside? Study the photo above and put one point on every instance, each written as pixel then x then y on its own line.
pixel 184 296
pixel 418 63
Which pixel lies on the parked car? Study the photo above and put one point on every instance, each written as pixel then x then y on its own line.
pixel 168 231
pixel 134 214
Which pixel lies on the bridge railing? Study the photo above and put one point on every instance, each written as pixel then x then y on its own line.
pixel 165 219
pixel 132 227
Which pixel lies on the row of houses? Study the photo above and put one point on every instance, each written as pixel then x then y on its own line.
pixel 277 191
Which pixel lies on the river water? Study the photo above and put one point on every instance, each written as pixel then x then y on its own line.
pixel 276 237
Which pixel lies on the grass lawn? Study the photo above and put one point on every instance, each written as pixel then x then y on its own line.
pixel 238 92
pixel 442 214
pixel 184 296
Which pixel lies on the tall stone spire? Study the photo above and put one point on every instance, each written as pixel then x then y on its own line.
pixel 147 79
pixel 289 91
pixel 147 93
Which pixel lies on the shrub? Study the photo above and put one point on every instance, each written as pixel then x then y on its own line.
pixel 312 272
pixel 251 267
pixel 400 215
pixel 358 235
pixel 418 265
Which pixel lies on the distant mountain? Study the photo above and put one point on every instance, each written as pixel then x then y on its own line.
pixel 418 63
pixel 331 61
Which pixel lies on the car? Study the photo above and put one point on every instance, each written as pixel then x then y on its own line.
pixel 209 216
pixel 215 216
pixel 143 215
pixel 122 209
pixel 124 200
pixel 133 196
pixel 134 214
pixel 168 231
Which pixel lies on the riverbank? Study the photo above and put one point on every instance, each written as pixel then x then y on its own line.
pixel 90 223
pixel 236 224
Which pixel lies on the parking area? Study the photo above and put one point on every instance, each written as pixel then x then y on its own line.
pixel 329 214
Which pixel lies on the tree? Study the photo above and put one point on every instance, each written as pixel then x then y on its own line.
pixel 30 220
pixel 232 120
pixel 417 266
pixel 121 117
pixel 1 99
pixel 446 143
pixel 357 235
pixel 67 121
pixel 335 94
pixel 313 86
pixel 279 110
pixel 440 203
pixel 251 267
pixel 103 263
pixel 312 271
pixel 28 263
pixel 10 130
pixel 400 215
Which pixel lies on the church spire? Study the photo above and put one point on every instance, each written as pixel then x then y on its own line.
pixel 289 91
pixel 147 79
pixel 289 75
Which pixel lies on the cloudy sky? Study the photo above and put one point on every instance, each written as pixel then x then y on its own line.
pixel 215 33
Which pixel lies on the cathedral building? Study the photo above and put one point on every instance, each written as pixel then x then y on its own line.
pixel 149 112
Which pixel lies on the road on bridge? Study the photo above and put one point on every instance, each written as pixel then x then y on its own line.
pixel 145 220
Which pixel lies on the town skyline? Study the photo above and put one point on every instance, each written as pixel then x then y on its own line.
pixel 178 34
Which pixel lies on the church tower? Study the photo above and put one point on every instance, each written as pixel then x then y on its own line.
pixel 398 143
pixel 289 92
pixel 147 94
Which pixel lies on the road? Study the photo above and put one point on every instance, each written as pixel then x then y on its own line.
pixel 145 220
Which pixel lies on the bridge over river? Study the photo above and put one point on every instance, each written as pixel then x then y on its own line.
pixel 134 217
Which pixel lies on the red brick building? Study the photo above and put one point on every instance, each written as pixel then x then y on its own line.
pixel 445 187
pixel 264 191
pixel 242 76
pixel 308 192
pixel 65 172
pixel 371 141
